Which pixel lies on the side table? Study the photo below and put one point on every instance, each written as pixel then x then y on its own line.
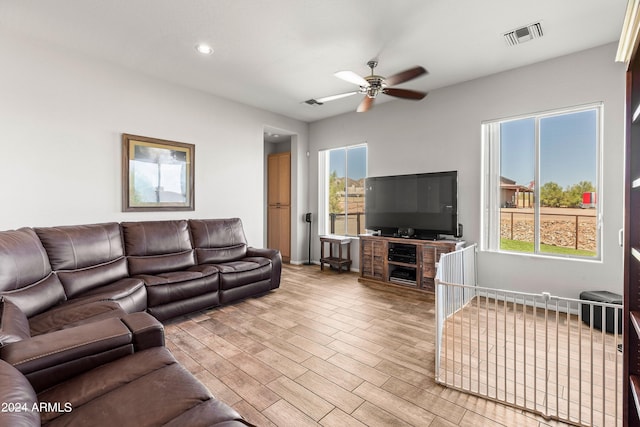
pixel 336 262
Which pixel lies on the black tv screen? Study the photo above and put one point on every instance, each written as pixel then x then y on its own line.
pixel 426 203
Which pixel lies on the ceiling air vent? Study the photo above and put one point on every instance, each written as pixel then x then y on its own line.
pixel 524 34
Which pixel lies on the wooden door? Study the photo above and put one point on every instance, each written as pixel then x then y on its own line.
pixel 279 200
pixel 279 179
pixel 279 224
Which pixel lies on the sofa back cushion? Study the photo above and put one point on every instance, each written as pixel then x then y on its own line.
pixel 76 282
pixel 23 260
pixel 14 325
pixel 39 296
pixel 78 246
pixel 154 247
pixel 218 240
pixel 25 272
pixel 85 256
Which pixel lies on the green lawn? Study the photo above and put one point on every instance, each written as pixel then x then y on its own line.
pixel 520 246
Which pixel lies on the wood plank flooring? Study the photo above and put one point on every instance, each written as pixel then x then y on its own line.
pixel 326 350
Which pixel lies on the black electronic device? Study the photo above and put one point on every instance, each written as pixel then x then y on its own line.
pixel 407 259
pixel 403 276
pixel 402 253
pixel 403 273
pixel 307 219
pixel 405 232
pixel 425 203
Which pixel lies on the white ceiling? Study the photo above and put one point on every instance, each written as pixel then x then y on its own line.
pixel 274 54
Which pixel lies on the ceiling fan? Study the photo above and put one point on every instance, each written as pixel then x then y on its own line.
pixel 373 85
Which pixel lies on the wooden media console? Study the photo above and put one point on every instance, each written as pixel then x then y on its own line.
pixel 402 261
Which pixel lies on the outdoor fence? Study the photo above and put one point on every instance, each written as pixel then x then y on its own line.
pixel 354 223
pixel 559 229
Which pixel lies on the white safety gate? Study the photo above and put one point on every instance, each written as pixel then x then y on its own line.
pixel 536 352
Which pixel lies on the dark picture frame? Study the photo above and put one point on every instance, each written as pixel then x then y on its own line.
pixel 157 175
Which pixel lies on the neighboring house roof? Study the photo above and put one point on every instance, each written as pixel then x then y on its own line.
pixel 509 184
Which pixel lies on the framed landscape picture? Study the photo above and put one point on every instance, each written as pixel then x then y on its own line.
pixel 157 175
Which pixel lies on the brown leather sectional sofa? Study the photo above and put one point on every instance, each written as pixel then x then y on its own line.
pixel 73 321
pixel 111 372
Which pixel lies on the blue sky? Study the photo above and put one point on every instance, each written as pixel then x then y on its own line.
pixel 357 162
pixel 567 149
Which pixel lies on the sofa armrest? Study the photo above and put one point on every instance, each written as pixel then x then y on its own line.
pixel 276 262
pixel 147 330
pixel 61 346
pixel 14 325
pixel 51 358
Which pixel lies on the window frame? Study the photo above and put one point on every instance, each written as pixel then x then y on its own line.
pixel 490 189
pixel 324 225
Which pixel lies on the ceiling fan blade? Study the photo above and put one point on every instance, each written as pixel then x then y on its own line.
pixel 351 77
pixel 404 93
pixel 365 105
pixel 405 75
pixel 334 97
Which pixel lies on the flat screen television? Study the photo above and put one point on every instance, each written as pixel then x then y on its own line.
pixel 418 205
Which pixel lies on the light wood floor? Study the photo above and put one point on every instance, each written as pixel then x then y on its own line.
pixel 327 350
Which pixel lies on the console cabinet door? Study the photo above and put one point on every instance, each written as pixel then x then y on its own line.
pixel 430 257
pixel 372 258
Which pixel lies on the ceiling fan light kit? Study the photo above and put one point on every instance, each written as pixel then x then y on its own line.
pixel 373 85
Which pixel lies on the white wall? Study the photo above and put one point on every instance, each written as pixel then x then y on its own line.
pixel 62 116
pixel 442 132
pixel 61 120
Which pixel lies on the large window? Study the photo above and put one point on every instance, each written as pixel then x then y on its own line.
pixel 541 178
pixel 342 174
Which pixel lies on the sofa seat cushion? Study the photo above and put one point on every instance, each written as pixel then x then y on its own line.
pixel 146 388
pixel 178 285
pixel 130 293
pixel 191 273
pixel 242 272
pixel 72 314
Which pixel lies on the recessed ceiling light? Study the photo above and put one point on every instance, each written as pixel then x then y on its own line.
pixel 204 49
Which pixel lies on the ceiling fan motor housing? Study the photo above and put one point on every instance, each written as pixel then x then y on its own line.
pixel 376 84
